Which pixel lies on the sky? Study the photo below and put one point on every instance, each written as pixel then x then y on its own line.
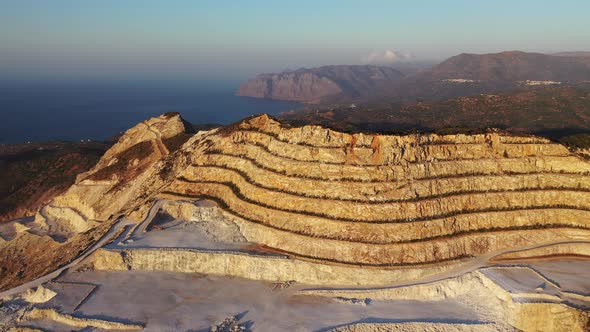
pixel 222 39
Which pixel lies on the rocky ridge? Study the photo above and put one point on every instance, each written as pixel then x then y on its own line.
pixel 371 199
pixel 414 218
pixel 321 195
pixel 460 75
pixel 315 84
pixel 74 220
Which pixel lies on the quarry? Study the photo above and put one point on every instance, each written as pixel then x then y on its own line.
pixel 258 226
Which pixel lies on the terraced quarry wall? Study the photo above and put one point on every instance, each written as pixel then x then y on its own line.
pixel 388 200
pixel 271 268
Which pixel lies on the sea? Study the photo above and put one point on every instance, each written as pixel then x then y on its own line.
pixel 96 110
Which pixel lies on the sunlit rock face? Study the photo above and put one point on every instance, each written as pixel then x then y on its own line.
pixel 346 198
pixel 123 179
pixel 387 200
pixel 320 207
pixel 123 176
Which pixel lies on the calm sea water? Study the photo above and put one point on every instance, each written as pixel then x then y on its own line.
pixel 99 110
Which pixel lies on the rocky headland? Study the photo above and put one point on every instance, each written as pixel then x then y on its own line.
pixel 322 83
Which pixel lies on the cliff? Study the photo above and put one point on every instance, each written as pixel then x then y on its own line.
pixel 71 222
pixel 349 199
pixel 32 174
pixel 316 84
pixel 388 200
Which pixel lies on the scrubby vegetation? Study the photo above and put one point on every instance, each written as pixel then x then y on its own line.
pixel 552 112
pixel 578 141
pixel 175 142
pixel 31 174
pixel 125 160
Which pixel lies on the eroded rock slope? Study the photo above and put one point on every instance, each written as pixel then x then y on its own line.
pixel 362 199
pixel 387 200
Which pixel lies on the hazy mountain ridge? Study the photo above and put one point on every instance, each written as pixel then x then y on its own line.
pixel 312 85
pixel 470 74
pixel 572 53
pixel 461 75
pixel 512 66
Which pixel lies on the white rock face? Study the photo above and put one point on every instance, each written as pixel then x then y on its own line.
pixel 39 295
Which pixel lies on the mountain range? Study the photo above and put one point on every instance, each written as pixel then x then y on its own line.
pixel 461 75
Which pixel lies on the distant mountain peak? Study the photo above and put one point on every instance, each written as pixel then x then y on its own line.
pixel 317 84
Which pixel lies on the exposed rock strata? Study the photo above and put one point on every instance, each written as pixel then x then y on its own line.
pixel 389 200
pixel 492 302
pixel 270 268
pixel 122 180
pixel 362 199
pixel 124 176
pixel 372 199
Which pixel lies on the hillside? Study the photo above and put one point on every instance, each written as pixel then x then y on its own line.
pixel 460 75
pixel 315 84
pixel 265 174
pixel 552 112
pixel 511 66
pixel 32 174
pixel 428 215
pixel 572 53
pixel 468 74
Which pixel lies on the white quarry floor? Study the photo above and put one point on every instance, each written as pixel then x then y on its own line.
pixel 186 302
pixel 520 280
pixel 167 301
pixel 572 275
pixel 9 229
pixel 180 235
pixel 543 277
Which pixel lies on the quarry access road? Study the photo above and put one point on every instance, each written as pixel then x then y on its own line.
pixel 122 222
pixel 19 220
pixel 142 227
pixel 158 141
pixel 470 266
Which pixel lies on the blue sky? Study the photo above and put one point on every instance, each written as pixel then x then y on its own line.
pixel 235 39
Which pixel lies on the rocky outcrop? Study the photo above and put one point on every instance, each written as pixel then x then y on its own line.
pixel 356 199
pixel 125 175
pixel 365 199
pixel 124 178
pixel 388 200
pixel 272 268
pixel 289 86
pixel 80 322
pixel 39 295
pixel 312 85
